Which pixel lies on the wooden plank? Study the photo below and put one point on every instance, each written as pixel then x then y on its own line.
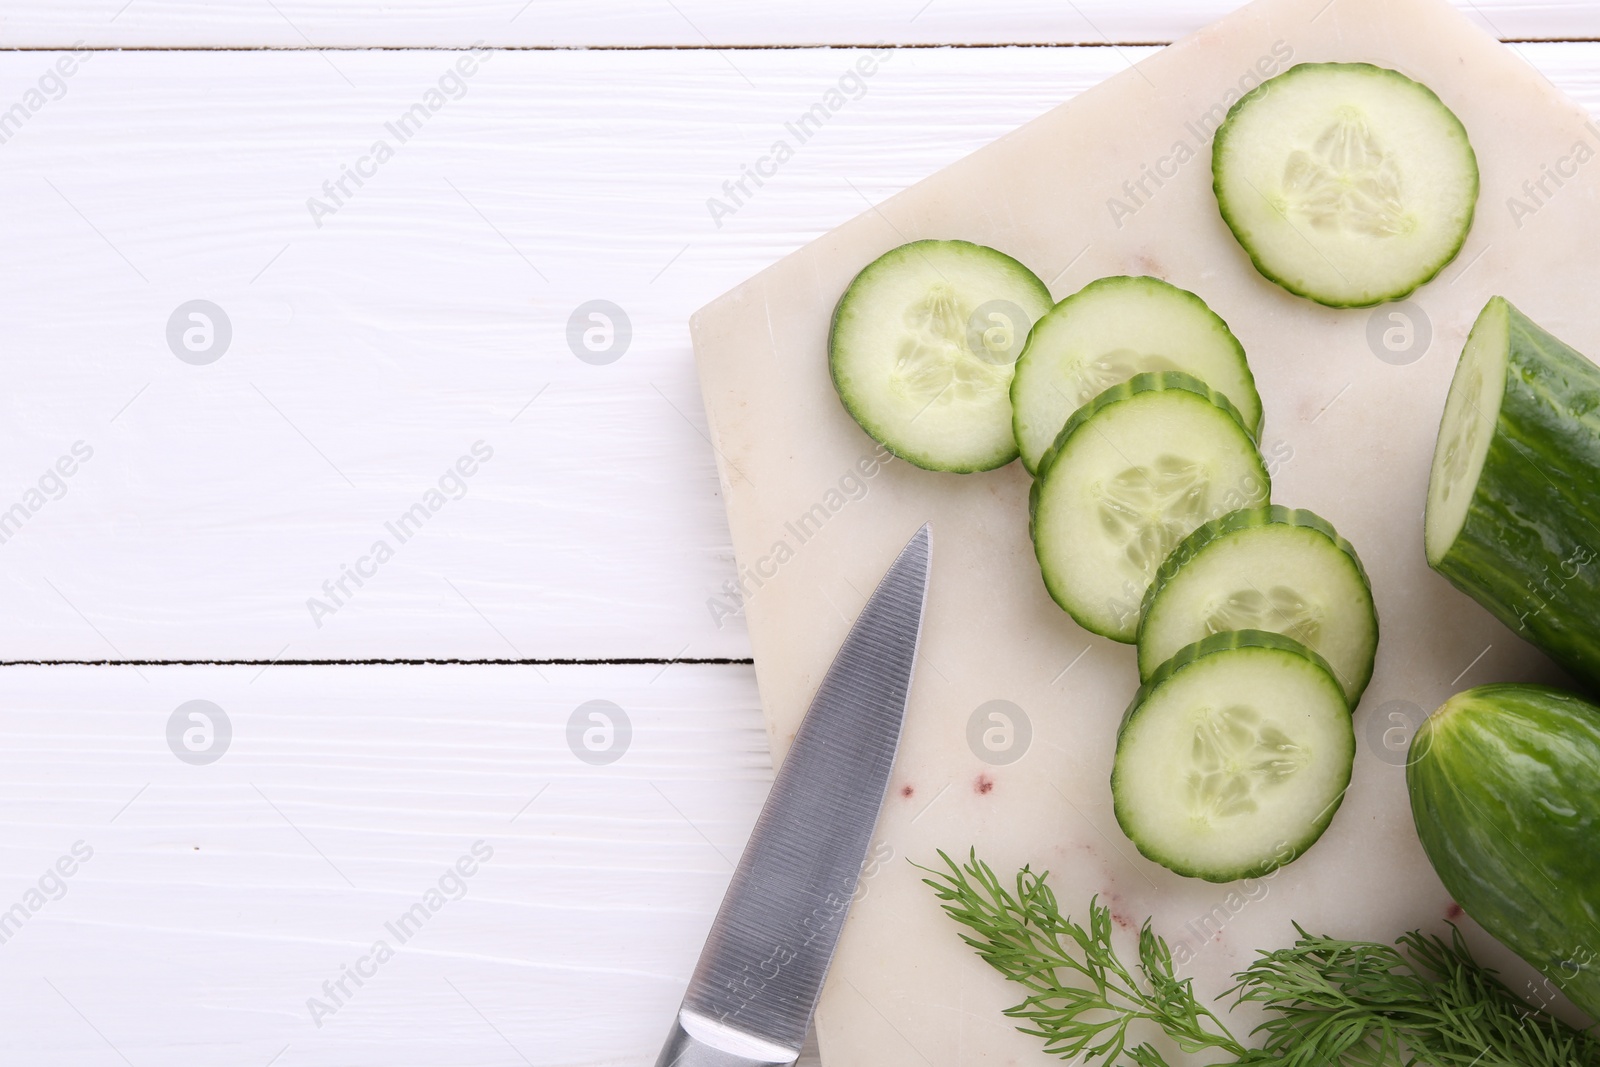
pixel 374 352
pixel 208 903
pixel 693 23
pixel 423 315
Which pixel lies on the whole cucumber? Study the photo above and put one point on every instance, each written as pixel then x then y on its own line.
pixel 1505 790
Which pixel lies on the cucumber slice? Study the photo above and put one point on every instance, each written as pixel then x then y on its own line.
pixel 1233 758
pixel 1133 472
pixel 1107 332
pixel 1271 568
pixel 923 346
pixel 1513 514
pixel 1346 183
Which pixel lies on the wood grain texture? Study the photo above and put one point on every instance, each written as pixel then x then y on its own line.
pixel 369 354
pixel 667 23
pixel 218 899
pixel 390 339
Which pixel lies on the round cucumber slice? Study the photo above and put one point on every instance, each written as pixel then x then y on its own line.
pixel 923 346
pixel 1107 332
pixel 1133 472
pixel 1271 568
pixel 1233 758
pixel 1346 183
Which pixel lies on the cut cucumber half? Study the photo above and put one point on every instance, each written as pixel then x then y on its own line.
pixel 1346 183
pixel 1132 473
pixel 923 346
pixel 1513 515
pixel 1107 332
pixel 1271 568
pixel 1233 758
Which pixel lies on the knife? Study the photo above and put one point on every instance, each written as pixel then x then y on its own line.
pixel 751 997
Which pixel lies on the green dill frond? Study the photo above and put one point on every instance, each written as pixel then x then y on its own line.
pixel 1081 999
pixel 1423 1002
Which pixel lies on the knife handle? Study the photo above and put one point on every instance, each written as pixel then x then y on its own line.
pixel 699 1041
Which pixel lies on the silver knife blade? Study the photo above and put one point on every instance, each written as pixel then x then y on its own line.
pixel 752 994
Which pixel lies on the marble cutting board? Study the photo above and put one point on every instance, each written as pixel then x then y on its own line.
pixel 1118 181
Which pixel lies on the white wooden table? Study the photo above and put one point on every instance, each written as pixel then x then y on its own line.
pixel 399 509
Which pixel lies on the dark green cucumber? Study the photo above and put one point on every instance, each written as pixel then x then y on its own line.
pixel 1513 516
pixel 1505 791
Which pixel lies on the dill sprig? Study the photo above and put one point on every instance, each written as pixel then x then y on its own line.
pixel 1423 1002
pixel 1081 998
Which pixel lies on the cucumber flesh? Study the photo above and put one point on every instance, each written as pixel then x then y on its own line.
pixel 1514 492
pixel 1467 427
pixel 1107 332
pixel 1233 758
pixel 1131 474
pixel 1345 183
pixel 1271 568
pixel 922 349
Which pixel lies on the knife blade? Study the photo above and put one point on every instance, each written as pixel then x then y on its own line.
pixel 750 999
